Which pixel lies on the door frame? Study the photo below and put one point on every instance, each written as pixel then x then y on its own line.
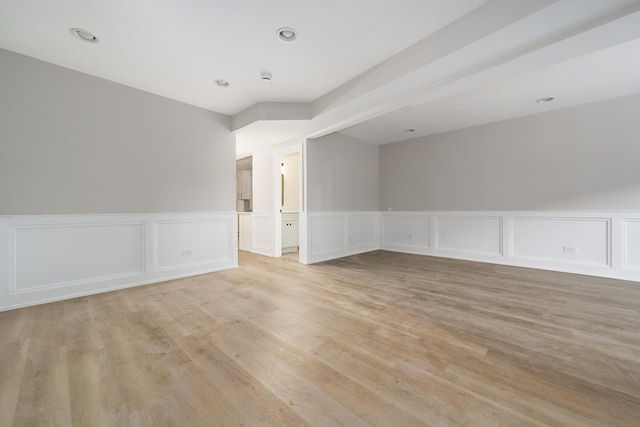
pixel 300 148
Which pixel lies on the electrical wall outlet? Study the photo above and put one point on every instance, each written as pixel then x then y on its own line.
pixel 570 249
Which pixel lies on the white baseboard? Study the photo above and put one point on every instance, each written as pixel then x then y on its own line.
pixel 46 258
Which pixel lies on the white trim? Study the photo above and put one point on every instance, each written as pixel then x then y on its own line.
pixel 13 288
pixel 87 277
pixel 213 261
pixel 624 246
pixel 610 244
pixel 333 235
pixel 260 243
pixel 437 231
pixel 367 229
pixel 607 221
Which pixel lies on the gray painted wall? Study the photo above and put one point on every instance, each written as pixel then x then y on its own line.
pixel 342 174
pixel 579 158
pixel 73 143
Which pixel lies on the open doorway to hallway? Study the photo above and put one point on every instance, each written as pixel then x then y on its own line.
pixel 244 202
pixel 290 202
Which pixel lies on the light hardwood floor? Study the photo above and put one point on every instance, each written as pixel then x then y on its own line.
pixel 375 339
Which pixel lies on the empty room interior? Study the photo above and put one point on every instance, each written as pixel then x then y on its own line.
pixel 320 213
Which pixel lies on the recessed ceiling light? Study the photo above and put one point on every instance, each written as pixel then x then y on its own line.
pixel 287 34
pixel 222 83
pixel 84 35
pixel 546 99
pixel 409 130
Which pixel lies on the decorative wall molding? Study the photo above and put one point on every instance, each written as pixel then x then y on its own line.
pixel 363 232
pixel 605 244
pixel 56 257
pixel 53 257
pixel 333 235
pixel 631 244
pixel 553 239
pixel 180 243
pixel 67 256
pixel 328 234
pixel 263 233
pixel 406 232
pixel 480 235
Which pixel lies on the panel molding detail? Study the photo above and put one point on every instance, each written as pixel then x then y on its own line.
pixel 56 257
pixel 631 244
pixel 179 243
pixel 567 240
pixel 406 232
pixel 472 234
pixel 605 244
pixel 65 250
pixel 263 233
pixel 337 234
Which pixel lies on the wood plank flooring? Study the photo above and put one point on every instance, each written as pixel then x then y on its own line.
pixel 380 339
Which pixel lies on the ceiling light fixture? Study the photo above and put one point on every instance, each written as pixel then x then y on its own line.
pixel 222 83
pixel 546 99
pixel 287 35
pixel 266 76
pixel 84 35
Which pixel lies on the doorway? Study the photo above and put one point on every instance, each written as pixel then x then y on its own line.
pixel 290 202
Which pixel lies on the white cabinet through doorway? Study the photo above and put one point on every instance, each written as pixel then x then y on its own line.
pixel 289 232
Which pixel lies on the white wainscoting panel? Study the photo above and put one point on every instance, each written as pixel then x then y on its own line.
pixel 52 256
pixel 603 244
pixel 245 231
pixel 6 258
pixel 337 234
pixel 473 234
pixel 631 244
pixel 582 241
pixel 363 232
pixel 263 233
pixel 406 232
pixel 55 257
pixel 191 243
pixel 328 234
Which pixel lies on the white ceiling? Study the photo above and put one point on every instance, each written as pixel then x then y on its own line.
pixel 368 68
pixel 178 48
